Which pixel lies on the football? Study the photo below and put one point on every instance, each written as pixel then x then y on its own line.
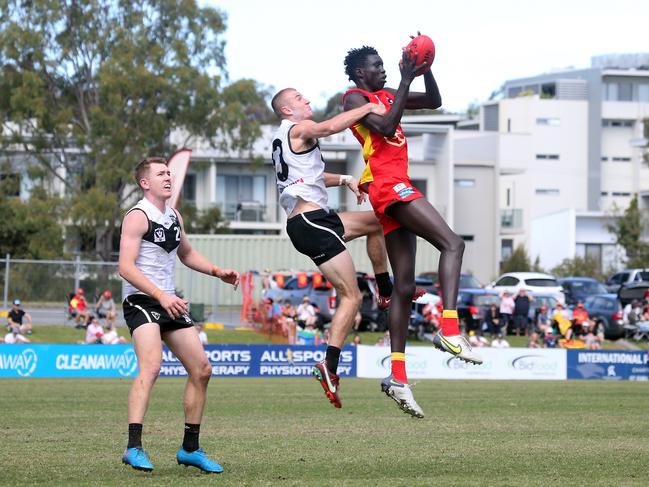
pixel 422 46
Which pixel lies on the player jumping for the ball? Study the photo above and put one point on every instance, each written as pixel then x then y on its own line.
pixel 316 231
pixel 402 210
pixel 152 236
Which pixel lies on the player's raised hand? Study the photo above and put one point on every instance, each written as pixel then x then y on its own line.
pixel 173 305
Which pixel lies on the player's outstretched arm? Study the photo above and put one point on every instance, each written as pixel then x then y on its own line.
pixel 133 229
pixel 308 129
pixel 193 259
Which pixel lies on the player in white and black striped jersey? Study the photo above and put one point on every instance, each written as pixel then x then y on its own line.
pixel 152 237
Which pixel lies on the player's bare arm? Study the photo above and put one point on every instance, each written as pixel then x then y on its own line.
pixel 195 260
pixel 351 182
pixel 133 229
pixel 305 132
pixel 431 99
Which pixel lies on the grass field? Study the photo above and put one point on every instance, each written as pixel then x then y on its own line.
pixel 284 432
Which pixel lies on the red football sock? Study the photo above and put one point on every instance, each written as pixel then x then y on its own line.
pixel 399 367
pixel 450 323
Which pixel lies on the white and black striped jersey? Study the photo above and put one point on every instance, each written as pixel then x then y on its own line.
pixel 297 173
pixel 157 257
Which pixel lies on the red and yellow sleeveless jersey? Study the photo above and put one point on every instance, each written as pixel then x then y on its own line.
pixel 385 157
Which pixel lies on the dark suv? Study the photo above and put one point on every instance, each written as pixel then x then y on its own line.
pixel 430 282
pixel 606 311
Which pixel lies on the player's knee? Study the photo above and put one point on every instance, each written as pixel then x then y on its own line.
pixel 457 245
pixel 203 371
pixel 150 371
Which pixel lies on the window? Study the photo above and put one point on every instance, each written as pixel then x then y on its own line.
pixel 625 92
pixel 548 90
pixel 506 248
pixel 467 238
pixel 189 187
pixel 604 158
pixel 554 122
pixel 604 193
pixel 643 93
pixel 541 282
pixel 620 193
pixel 507 281
pixel 465 183
pixel 547 192
pixel 616 123
pixel 241 196
pixel 552 157
pixel 621 159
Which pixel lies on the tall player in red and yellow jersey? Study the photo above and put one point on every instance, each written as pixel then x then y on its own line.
pixel 399 206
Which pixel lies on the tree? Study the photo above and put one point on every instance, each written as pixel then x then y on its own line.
pixel 579 267
pixel 628 228
pixel 207 221
pixel 90 88
pixel 519 261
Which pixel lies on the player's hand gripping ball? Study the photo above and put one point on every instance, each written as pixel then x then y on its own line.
pixel 422 46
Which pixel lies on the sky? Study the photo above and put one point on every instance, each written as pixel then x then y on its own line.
pixel 479 44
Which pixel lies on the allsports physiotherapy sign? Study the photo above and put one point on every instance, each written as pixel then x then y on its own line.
pixel 608 365
pixel 120 361
pixel 67 361
pixel 262 361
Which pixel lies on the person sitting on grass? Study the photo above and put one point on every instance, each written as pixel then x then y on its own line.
pixel 110 337
pixel 106 309
pixel 94 331
pixel 14 337
pixel 78 309
pixel 16 316
pixel 310 335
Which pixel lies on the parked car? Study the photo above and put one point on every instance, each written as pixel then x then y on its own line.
pixel 429 281
pixel 579 288
pixel 472 305
pixel 626 276
pixel 324 297
pixel 534 282
pixel 606 311
pixel 634 290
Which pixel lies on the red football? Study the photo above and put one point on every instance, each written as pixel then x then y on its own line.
pixel 422 46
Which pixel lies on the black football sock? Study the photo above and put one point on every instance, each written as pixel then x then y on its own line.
pixel 384 284
pixel 134 435
pixel 332 357
pixel 190 441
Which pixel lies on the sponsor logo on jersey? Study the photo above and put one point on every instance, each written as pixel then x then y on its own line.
pixel 159 235
pixel 399 187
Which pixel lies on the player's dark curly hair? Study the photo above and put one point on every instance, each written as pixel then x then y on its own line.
pixel 356 58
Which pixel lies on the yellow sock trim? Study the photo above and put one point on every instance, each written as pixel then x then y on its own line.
pixel 398 356
pixel 449 313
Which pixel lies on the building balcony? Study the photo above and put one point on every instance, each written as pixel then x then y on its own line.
pixel 511 220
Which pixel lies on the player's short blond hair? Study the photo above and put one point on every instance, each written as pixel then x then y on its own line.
pixel 278 101
pixel 142 169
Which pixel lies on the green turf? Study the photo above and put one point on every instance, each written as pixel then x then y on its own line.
pixel 284 432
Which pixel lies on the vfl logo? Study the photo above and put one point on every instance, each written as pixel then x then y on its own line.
pixel 128 364
pixel 156 315
pixel 159 235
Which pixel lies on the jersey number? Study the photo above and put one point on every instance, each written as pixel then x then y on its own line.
pixel 278 159
pixel 177 234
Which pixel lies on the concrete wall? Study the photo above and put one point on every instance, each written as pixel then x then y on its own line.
pixel 552 238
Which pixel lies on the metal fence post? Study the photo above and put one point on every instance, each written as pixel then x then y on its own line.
pixel 76 272
pixel 6 290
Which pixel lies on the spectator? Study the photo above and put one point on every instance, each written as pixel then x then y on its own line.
pixel 549 340
pixel 580 320
pixel 592 341
pixel 106 309
pixel 306 313
pixel 384 341
pixel 492 320
pixel 325 336
pixel 499 342
pixel 543 323
pixel 16 316
pixel 94 331
pixel 562 321
pixel 432 315
pixel 309 335
pixel 533 342
pixel 633 313
pixel 507 306
pixel 289 326
pixel 477 340
pixel 110 337
pixel 14 337
pixel 202 336
pixel 78 309
pixel 521 311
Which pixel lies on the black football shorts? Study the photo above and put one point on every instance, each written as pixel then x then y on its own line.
pixel 140 309
pixel 318 234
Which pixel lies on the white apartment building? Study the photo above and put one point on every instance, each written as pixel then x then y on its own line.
pixel 567 143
